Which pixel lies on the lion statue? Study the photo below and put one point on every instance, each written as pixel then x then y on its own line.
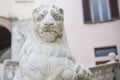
pixel 45 54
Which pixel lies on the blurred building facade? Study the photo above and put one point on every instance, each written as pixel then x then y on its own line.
pixel 92 26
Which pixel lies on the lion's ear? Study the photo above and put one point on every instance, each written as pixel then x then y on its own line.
pixel 61 11
pixel 34 13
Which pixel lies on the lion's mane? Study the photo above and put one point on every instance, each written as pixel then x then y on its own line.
pixel 34 43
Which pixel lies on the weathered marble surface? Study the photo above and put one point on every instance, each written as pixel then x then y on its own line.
pixel 101 72
pixel 105 72
pixel 10 68
pixel 108 71
pixel 1 71
pixel 45 54
pixel 112 57
pixel 19 29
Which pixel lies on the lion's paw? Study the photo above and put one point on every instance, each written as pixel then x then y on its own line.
pixel 82 71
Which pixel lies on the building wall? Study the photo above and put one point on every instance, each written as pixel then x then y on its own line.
pixel 82 38
pixel 5 22
pixel 5 7
pixel 5 10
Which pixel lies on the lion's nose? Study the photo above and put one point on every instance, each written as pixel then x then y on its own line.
pixel 48 24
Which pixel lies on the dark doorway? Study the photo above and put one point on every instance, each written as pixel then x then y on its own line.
pixel 5 38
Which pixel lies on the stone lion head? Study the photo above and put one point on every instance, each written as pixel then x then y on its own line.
pixel 48 22
pixel 46 31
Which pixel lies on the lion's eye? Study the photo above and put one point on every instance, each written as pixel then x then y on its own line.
pixel 40 18
pixel 58 18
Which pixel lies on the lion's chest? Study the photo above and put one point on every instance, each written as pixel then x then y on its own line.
pixel 35 59
pixel 50 50
pixel 35 64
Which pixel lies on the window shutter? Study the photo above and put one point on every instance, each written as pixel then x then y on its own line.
pixel 86 11
pixel 114 9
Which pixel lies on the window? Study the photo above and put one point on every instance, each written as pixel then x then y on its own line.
pixel 104 51
pixel 100 10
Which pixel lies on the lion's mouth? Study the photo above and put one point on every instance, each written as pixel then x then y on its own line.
pixel 49 31
pixel 48 35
